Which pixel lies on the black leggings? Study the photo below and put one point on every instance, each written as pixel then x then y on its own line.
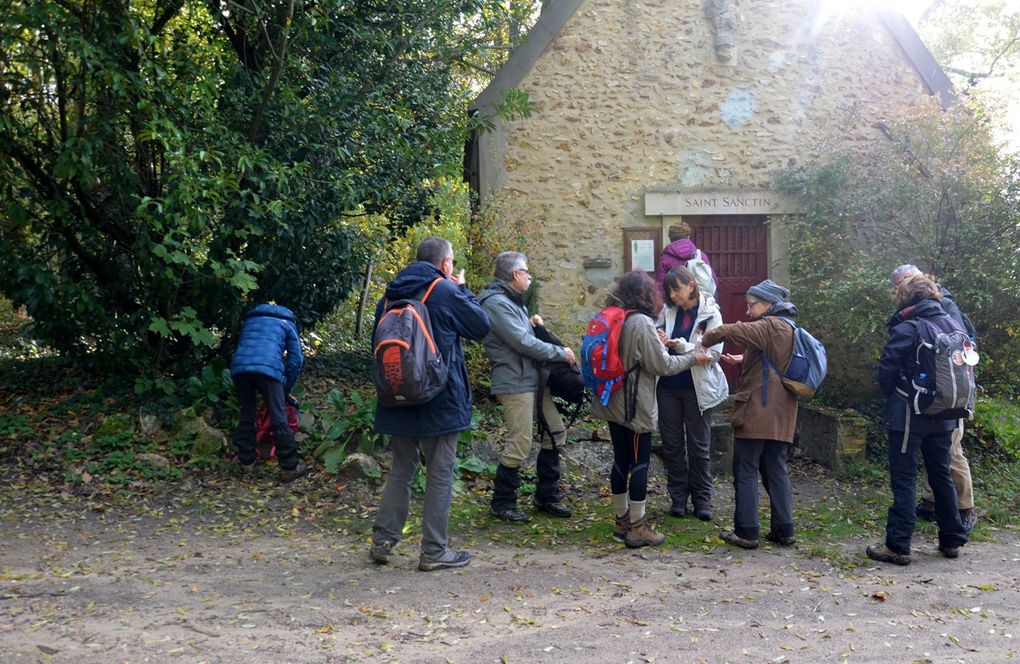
pixel 631 453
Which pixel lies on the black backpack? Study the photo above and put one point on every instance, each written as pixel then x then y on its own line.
pixel 408 368
pixel 565 382
pixel 942 385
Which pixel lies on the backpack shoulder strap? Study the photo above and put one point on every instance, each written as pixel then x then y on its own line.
pixel 429 291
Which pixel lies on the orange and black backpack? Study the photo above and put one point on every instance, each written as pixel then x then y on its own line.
pixel 408 368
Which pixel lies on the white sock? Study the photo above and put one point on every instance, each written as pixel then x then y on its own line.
pixel 620 504
pixel 637 510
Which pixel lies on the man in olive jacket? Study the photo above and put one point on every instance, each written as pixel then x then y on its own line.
pixel 513 351
pixel 764 414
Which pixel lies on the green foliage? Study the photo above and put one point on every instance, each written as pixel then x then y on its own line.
pixel 349 425
pixel 13 425
pixel 162 167
pixel 998 420
pixel 16 340
pixel 936 192
pixel 212 387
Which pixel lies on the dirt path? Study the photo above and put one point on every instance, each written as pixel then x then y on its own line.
pixel 81 582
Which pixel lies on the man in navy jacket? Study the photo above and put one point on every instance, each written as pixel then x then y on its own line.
pixel 430 428
pixel 267 333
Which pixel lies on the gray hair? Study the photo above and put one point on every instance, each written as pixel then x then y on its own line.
pixel 902 272
pixel 434 250
pixel 507 262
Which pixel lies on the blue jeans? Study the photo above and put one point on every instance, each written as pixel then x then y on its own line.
pixel 248 385
pixel 899 525
pixel 439 455
pixel 767 457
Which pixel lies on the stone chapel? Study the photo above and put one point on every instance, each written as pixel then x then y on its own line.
pixel 647 112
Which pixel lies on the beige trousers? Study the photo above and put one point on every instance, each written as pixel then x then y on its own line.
pixel 961 474
pixel 519 419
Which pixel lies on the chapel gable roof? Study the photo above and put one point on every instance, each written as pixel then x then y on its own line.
pixel 556 14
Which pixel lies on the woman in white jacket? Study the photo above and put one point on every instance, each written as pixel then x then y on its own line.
pixel 686 400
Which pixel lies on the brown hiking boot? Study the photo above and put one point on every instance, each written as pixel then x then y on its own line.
pixel 291 474
pixel 622 526
pixel 641 534
pixel 882 553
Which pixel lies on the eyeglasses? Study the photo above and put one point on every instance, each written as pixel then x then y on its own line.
pixel 752 303
pixel 453 261
pixel 524 270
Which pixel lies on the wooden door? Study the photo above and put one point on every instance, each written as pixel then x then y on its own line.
pixel 737 246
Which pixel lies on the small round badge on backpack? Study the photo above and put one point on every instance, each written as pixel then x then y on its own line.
pixel 968 355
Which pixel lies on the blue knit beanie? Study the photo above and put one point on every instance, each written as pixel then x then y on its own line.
pixel 769 291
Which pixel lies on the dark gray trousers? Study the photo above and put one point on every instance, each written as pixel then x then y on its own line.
pixel 767 457
pixel 686 447
pixel 439 455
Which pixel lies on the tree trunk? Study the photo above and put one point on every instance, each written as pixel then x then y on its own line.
pixel 359 327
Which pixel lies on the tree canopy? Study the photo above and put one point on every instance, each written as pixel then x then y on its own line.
pixel 166 163
pixel 939 193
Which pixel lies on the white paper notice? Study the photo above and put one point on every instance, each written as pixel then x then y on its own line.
pixel 642 255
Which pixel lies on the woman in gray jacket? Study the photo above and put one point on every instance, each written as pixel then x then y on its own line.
pixel 631 412
pixel 686 400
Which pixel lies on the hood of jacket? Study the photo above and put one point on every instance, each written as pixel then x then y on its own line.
pixel 919 309
pixel 499 287
pixel 413 280
pixel 682 249
pixel 784 309
pixel 274 310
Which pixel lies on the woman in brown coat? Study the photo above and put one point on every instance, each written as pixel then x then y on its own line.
pixel 764 414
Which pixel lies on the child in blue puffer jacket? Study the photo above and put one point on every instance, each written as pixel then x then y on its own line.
pixel 267 333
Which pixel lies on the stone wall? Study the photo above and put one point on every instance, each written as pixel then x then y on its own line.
pixel 634 95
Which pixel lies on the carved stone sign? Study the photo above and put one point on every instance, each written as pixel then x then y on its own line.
pixel 718 202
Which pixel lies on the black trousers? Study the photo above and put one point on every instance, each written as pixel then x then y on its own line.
pixel 248 385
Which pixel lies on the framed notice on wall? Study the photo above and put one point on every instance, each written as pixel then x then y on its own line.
pixel 641 248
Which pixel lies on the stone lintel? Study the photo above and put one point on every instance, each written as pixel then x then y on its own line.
pixel 672 203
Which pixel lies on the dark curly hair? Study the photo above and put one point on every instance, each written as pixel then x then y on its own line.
pixel 637 290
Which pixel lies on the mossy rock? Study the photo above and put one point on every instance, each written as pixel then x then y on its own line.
pixel 114 424
pixel 207 440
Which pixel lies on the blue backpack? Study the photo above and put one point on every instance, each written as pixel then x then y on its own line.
pixel 808 365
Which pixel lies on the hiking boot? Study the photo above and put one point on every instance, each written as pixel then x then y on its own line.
pixel 381 551
pixel 622 526
pixel 703 514
pixel 925 510
pixel 731 537
pixel 244 469
pixel 449 560
pixel 950 551
pixel 289 475
pixel 780 540
pixel 677 511
pixel 641 534
pixel 511 514
pixel 553 509
pixel 882 553
pixel 969 518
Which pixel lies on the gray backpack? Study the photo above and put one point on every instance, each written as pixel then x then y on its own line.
pixel 408 368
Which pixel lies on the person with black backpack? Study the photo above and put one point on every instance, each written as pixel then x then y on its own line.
pixel 515 354
pixel 959 465
pixel 428 429
pixel 903 378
